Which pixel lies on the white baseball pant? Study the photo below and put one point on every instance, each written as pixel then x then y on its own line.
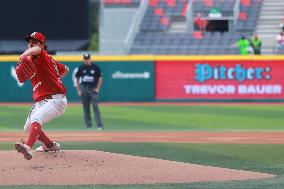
pixel 46 110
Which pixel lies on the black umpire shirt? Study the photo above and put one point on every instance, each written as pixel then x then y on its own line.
pixel 89 75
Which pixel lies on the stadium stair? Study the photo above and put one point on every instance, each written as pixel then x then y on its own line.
pixel 267 28
pixel 178 27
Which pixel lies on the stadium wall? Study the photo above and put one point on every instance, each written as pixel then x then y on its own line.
pixel 167 78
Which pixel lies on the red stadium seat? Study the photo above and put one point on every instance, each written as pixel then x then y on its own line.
pixel 118 1
pixel 153 3
pixel 165 21
pixel 159 11
pixel 126 1
pixel 197 35
pixel 208 3
pixel 184 10
pixel 171 3
pixel 246 2
pixel 243 16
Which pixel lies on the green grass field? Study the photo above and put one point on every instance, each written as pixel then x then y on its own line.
pixel 162 118
pixel 267 158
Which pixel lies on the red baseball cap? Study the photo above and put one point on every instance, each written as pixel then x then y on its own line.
pixel 36 35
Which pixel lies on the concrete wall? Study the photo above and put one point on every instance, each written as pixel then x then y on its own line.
pixel 113 30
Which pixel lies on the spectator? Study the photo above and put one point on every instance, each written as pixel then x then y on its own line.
pixel 215 13
pixel 200 23
pixel 282 24
pixel 256 44
pixel 280 39
pixel 244 46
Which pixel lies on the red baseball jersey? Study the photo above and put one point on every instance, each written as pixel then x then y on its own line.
pixel 46 80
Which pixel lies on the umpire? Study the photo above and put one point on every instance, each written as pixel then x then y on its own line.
pixel 88 84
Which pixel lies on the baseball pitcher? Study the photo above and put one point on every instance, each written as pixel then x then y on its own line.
pixel 45 74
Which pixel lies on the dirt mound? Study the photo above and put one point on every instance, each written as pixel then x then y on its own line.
pixel 95 167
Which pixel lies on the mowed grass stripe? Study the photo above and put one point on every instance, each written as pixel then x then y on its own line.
pixel 201 117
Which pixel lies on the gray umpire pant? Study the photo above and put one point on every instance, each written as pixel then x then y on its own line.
pixel 89 95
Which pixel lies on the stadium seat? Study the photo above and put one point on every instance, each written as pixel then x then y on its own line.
pixel 155 36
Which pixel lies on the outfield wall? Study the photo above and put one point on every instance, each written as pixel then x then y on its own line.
pixel 166 78
pixel 222 79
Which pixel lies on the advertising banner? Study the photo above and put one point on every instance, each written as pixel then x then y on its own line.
pixel 228 79
pixel 128 81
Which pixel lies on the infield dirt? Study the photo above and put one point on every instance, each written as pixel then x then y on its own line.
pixel 276 137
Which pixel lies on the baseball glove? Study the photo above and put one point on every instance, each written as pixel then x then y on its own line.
pixel 25 69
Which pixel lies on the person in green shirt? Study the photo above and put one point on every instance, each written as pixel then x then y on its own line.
pixel 244 46
pixel 256 44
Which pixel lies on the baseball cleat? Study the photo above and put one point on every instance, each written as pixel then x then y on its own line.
pixel 43 148
pixel 24 149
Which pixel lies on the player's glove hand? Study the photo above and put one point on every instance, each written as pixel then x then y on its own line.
pixel 25 69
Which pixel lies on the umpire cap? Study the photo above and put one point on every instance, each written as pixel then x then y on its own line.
pixel 87 56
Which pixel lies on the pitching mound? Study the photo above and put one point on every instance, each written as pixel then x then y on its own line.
pixel 95 167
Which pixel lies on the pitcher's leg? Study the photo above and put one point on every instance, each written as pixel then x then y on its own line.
pixel 45 139
pixel 35 131
pixel 28 123
pixel 96 110
pixel 22 147
pixel 49 109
